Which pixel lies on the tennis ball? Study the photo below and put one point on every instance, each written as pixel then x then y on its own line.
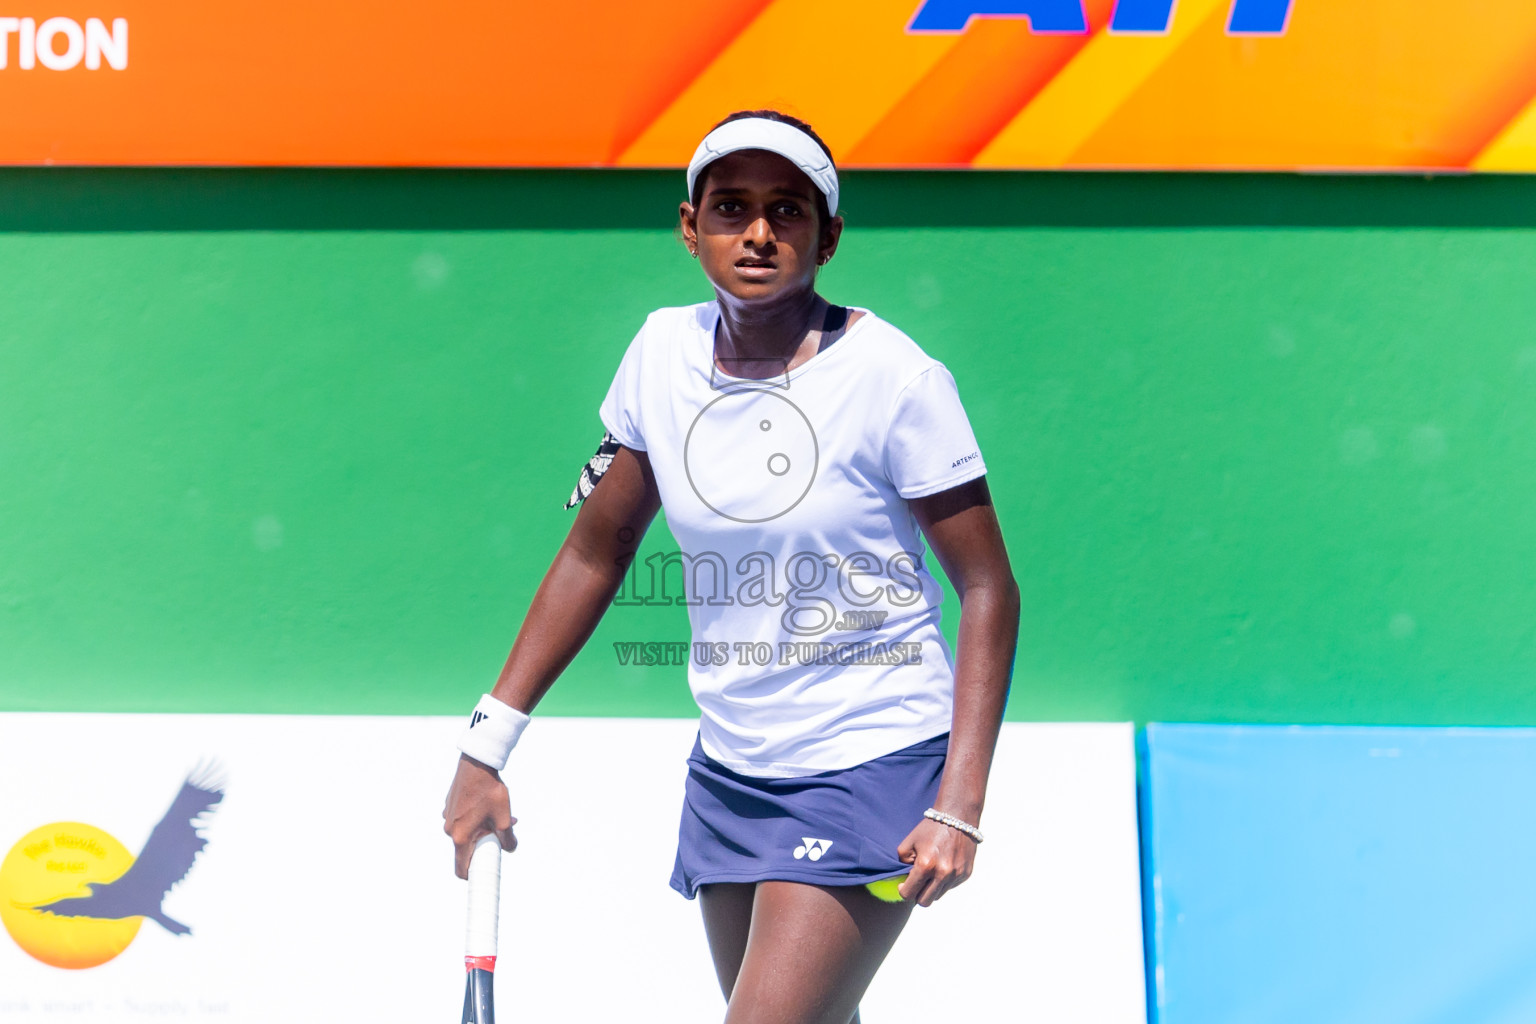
pixel 885 889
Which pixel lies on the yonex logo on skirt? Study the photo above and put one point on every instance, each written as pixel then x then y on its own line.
pixel 812 848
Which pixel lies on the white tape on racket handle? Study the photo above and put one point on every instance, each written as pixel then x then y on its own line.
pixel 484 897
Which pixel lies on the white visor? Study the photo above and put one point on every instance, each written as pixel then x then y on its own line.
pixel 774 136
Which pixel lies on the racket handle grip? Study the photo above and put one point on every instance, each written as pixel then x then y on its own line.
pixel 484 898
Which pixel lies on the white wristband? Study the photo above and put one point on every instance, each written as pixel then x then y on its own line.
pixel 493 731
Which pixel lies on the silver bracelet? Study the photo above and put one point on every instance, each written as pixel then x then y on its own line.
pixel 934 814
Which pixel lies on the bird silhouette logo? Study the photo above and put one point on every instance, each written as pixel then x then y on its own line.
pixel 71 895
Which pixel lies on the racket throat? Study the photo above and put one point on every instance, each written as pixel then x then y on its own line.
pixel 478 986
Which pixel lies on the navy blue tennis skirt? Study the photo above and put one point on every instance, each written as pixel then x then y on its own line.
pixel 836 828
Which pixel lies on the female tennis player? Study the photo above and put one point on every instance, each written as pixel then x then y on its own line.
pixel 803 452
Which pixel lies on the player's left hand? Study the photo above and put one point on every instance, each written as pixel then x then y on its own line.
pixel 941 858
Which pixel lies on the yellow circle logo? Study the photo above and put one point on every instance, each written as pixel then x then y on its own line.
pixel 54 863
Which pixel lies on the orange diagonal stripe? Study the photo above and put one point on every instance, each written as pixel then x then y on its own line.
pixel 1090 89
pixel 998 66
pixel 841 66
pixel 1349 86
pixel 658 70
pixel 1515 147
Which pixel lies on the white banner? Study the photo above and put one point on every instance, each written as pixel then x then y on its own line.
pixel 325 891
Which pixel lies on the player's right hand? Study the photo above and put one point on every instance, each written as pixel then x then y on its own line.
pixel 477 805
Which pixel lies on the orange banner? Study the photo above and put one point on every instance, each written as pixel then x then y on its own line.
pixel 1136 84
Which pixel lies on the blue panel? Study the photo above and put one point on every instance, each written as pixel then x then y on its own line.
pixel 1259 17
pixel 1142 16
pixel 1324 874
pixel 1043 15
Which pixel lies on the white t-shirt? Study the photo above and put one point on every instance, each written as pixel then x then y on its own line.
pixel 816 642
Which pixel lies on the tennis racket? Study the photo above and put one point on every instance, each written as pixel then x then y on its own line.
pixel 480 931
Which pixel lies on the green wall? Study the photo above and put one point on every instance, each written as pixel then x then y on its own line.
pixel 1264 448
